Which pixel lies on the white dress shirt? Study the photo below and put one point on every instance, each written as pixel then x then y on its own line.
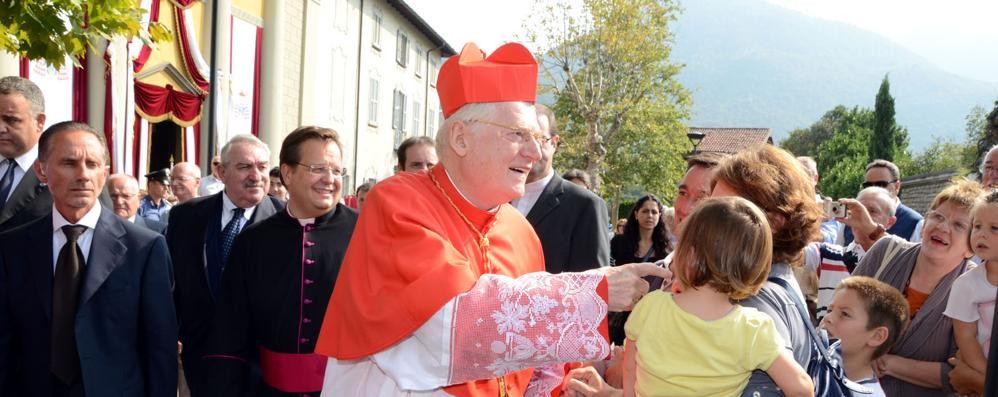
pixel 24 163
pixel 228 206
pixel 84 241
pixel 531 193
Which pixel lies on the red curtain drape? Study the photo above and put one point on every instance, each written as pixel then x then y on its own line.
pixel 155 103
pixel 184 3
pixel 144 53
pixel 80 91
pixel 185 51
pixel 256 82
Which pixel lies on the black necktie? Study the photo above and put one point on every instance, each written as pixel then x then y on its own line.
pixel 65 359
pixel 228 236
pixel 7 182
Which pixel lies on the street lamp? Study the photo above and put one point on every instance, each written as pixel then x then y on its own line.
pixel 695 138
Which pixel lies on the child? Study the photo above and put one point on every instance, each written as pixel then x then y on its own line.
pixel 696 342
pixel 866 316
pixel 971 302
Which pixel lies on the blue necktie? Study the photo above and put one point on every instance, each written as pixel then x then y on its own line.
pixel 229 234
pixel 7 182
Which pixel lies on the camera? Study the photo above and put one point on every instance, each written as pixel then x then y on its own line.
pixel 834 209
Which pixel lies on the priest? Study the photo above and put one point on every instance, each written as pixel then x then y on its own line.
pixel 279 278
pixel 442 290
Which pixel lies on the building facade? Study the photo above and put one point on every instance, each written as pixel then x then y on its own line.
pixel 366 68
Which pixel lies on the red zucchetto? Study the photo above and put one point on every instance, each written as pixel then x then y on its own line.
pixel 509 74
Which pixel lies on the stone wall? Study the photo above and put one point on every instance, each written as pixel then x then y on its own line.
pixel 918 191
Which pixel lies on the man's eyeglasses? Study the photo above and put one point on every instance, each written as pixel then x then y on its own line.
pixel 880 184
pixel 517 134
pixel 322 169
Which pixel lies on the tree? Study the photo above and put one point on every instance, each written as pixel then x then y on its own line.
pixel 842 159
pixel 52 30
pixel 805 141
pixel 608 68
pixel 888 140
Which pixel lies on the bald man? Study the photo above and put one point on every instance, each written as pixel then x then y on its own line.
pixel 124 192
pixel 185 181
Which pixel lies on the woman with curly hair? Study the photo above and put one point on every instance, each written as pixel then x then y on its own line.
pixel 774 180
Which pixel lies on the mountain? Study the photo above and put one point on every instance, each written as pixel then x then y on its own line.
pixel 750 63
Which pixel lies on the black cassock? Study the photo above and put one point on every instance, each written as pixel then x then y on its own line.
pixel 271 305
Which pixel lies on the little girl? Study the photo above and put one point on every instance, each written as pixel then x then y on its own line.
pixel 695 342
pixel 971 302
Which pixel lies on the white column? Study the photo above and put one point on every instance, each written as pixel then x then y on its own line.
pixel 10 64
pixel 272 67
pixel 219 94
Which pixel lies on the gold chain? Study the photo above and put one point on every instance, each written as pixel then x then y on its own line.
pixel 483 246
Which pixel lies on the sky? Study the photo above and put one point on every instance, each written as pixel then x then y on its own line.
pixel 960 36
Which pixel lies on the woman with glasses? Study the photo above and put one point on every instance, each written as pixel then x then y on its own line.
pixel 924 272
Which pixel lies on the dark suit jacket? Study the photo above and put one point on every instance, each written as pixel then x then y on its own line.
pixel 126 327
pixel 158 227
pixel 185 236
pixel 572 225
pixel 29 201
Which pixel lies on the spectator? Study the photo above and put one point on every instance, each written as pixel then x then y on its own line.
pixel 909 225
pixel 644 240
pixel 416 154
pixel 185 181
pixel 124 192
pixel 362 191
pixel 773 179
pixel 989 169
pixel 695 342
pixel 276 188
pixel 867 317
pixel 154 205
pixel 924 272
pixel 578 177
pixel 569 220
pixel 210 184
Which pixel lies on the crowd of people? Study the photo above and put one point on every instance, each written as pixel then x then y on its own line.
pixel 476 269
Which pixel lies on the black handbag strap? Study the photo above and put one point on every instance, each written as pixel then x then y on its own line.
pixel 804 317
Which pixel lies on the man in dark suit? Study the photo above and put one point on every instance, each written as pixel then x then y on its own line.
pixel 200 234
pixel 570 220
pixel 89 311
pixel 124 192
pixel 22 116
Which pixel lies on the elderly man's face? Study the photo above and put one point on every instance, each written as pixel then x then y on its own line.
pixel 125 197
pixel 245 174
pixel 877 208
pixel 184 183
pixel 19 131
pixel 74 171
pixel 989 174
pixel 694 187
pixel 501 152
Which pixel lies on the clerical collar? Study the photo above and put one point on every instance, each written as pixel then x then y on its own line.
pixel 463 197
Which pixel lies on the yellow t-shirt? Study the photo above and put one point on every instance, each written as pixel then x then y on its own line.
pixel 680 354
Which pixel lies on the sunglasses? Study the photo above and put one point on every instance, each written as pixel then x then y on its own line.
pixel 880 184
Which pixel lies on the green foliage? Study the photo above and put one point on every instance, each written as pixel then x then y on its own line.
pixel 805 141
pixel 888 140
pixel 842 159
pixel 54 29
pixel 940 155
pixel 609 71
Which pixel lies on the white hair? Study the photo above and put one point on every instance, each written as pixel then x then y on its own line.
pixel 466 113
pixel 242 139
pixel 130 181
pixel 188 167
pixel 882 195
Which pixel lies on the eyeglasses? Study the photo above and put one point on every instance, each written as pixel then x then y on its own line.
pixel 958 226
pixel 322 169
pixel 880 184
pixel 987 169
pixel 517 134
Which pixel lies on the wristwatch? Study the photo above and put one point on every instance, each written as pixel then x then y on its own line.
pixel 878 233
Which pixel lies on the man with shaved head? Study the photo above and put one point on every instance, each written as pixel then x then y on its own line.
pixel 124 192
pixel 186 178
